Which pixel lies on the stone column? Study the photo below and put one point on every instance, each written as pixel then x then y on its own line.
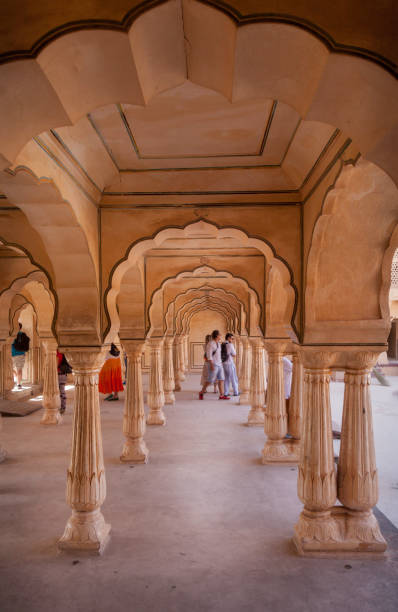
pixel 244 381
pixel 295 406
pixel 186 353
pixel 168 370
pixel 86 529
pixel 316 529
pixel 8 373
pixel 238 359
pixel 177 364
pixel 156 393
pixel 275 413
pixel 134 449
pixel 181 358
pixel 257 384
pixel 51 398
pixel 3 453
pixel 357 473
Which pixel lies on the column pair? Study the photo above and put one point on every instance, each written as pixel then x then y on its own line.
pixel 324 528
pixel 278 421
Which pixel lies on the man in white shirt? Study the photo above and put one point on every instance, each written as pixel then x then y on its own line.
pixel 227 356
pixel 215 368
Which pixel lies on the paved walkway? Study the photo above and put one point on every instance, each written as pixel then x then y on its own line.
pixel 203 527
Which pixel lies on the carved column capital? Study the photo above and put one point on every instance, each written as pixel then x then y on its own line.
pixel 168 341
pixel 361 360
pixel 133 348
pixel 85 359
pixel 316 358
pixel 276 347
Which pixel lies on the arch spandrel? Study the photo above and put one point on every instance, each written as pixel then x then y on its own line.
pixel 75 278
pixel 344 273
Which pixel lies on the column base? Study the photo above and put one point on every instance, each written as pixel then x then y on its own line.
pixel 169 397
pixel 177 387
pixel 339 533
pixel 255 418
pixel 134 451
pixel 85 532
pixel 281 452
pixel 156 418
pixel 51 417
pixel 244 398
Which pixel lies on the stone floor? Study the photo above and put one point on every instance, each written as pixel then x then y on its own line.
pixel 203 527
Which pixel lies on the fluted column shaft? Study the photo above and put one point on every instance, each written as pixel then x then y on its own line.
pixel 51 397
pixel 168 370
pixel 181 358
pixel 257 384
pixel 295 412
pixel 275 413
pixel 86 486
pixel 244 381
pixel 357 472
pixel 186 357
pixel 176 365
pixel 238 361
pixel 134 450
pixel 8 374
pixel 156 393
pixel 316 485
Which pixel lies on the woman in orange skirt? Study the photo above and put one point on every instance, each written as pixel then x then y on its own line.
pixel 110 377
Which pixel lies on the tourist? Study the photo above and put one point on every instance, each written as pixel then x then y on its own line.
pixel 110 378
pixel 63 370
pixel 215 370
pixel 19 348
pixel 228 353
pixel 205 368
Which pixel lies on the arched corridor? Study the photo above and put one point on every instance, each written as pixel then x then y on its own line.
pixel 169 168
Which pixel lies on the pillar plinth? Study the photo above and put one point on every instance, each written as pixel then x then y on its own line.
pixel 134 449
pixel 168 370
pixel 51 398
pixel 86 529
pixel 257 385
pixel 244 381
pixel 156 394
pixel 317 530
pixel 357 472
pixel 275 414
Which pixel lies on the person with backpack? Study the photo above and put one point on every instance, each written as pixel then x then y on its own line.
pixel 228 353
pixel 215 370
pixel 63 370
pixel 19 348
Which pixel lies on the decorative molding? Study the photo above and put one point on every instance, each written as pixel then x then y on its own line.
pixel 239 19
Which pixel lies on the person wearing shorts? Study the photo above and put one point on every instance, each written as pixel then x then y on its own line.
pixel 215 367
